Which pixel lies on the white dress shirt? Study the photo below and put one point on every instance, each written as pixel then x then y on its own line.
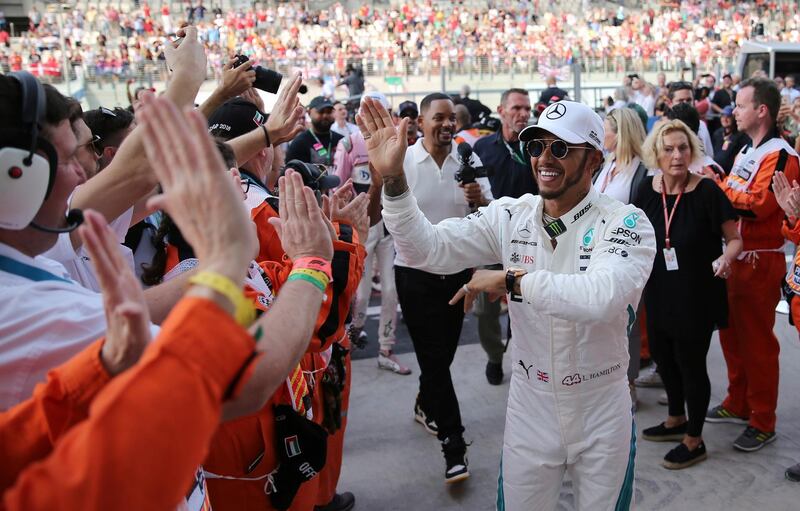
pixel 45 319
pixel 436 190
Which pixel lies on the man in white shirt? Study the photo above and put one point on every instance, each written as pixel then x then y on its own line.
pixel 434 325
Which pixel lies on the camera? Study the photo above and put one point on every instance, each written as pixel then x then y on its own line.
pixel 314 176
pixel 266 79
pixel 466 173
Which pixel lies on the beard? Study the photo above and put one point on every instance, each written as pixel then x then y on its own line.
pixel 569 182
pixel 321 126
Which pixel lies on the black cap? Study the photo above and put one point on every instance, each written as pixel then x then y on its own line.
pixel 408 109
pixel 106 122
pixel 235 118
pixel 302 450
pixel 313 175
pixel 320 103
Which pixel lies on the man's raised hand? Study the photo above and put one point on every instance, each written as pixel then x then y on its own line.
pixel 386 144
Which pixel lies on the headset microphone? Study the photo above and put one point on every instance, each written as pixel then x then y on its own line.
pixel 74 220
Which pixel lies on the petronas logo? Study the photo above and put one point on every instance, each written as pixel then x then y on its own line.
pixel 587 238
pixel 630 220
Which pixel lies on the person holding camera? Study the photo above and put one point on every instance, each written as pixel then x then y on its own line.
pixel 576 262
pixel 435 325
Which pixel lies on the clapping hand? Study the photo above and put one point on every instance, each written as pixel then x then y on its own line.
pixel 127 316
pixel 788 197
pixel 285 120
pixel 346 207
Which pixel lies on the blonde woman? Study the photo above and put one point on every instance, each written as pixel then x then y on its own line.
pixel 623 172
pixel 685 297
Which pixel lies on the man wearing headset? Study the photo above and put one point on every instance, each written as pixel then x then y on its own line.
pixel 575 264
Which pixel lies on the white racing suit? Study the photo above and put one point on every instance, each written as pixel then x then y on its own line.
pixel 569 406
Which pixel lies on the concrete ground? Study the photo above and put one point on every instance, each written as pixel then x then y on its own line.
pixel 390 462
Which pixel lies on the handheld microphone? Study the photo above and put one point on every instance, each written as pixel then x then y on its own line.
pixel 74 220
pixel 464 151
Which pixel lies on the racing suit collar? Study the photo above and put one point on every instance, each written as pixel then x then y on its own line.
pixel 573 215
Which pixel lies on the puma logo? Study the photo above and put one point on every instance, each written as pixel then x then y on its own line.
pixel 527 368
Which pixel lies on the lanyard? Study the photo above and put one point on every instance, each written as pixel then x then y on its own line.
pixel 320 143
pixel 668 218
pixel 33 273
pixel 514 156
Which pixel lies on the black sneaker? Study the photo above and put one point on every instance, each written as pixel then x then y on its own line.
pixel 341 502
pixel 753 439
pixel 720 414
pixel 793 473
pixel 494 373
pixel 662 433
pixel 455 458
pixel 429 424
pixel 681 457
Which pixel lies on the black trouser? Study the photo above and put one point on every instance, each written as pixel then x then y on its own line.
pixel 435 328
pixel 681 362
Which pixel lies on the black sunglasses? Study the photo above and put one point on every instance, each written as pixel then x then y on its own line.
pixel 94 144
pixel 558 148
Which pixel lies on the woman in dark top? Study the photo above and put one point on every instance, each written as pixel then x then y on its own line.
pixel 685 297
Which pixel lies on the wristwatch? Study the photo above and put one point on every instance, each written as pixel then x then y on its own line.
pixel 512 283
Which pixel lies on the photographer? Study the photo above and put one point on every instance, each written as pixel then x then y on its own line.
pixel 435 326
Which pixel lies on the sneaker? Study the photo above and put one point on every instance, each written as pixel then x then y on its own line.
pixel 681 457
pixel 429 424
pixel 388 360
pixel 753 439
pixel 341 502
pixel 455 458
pixel 720 414
pixel 793 473
pixel 662 433
pixel 358 337
pixel 649 379
pixel 494 373
pixel 663 400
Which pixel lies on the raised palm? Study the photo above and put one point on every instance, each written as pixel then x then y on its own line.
pixel 786 195
pixel 386 144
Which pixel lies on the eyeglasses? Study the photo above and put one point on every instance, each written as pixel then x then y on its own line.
pixel 93 144
pixel 558 148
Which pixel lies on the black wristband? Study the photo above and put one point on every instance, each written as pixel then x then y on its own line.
pixel 266 136
pixel 511 279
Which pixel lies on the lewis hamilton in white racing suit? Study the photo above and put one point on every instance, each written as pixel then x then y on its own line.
pixel 576 262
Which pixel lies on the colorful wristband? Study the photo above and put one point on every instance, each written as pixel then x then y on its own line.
pixel 313 273
pixel 314 263
pixel 308 278
pixel 245 313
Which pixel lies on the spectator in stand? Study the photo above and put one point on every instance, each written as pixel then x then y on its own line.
pixel 685 296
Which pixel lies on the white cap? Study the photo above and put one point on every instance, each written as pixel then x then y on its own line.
pixel 572 122
pixel 377 96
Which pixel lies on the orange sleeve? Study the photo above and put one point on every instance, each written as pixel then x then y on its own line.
pixel 791 233
pixel 759 200
pixel 29 430
pixel 149 429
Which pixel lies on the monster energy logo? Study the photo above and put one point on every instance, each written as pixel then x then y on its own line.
pixel 556 228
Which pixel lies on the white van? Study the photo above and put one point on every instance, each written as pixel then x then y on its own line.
pixel 774 58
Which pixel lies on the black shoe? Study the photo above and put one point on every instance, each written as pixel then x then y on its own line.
pixel 681 457
pixel 753 439
pixel 341 502
pixel 793 473
pixel 455 458
pixel 494 373
pixel 662 433
pixel 429 424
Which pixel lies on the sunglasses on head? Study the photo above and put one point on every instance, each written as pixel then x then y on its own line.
pixel 558 148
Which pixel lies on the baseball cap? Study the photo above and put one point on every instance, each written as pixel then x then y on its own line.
pixel 570 121
pixel 235 118
pixel 408 109
pixel 379 97
pixel 302 451
pixel 313 175
pixel 727 111
pixel 320 103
